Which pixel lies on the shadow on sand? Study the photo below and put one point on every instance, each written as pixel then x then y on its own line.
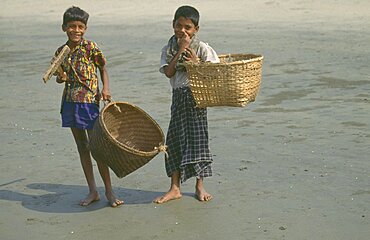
pixel 61 198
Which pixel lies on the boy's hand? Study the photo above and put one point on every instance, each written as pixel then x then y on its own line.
pixel 105 93
pixel 61 75
pixel 190 55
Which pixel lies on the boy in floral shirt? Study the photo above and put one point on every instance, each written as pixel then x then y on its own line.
pixel 81 96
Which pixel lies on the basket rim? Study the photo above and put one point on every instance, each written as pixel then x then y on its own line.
pixel 123 146
pixel 258 57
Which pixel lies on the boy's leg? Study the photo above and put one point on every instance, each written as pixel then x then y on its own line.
pixel 83 150
pixel 201 194
pixel 105 175
pixel 174 192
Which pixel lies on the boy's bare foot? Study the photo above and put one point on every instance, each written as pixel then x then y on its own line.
pixel 113 201
pixel 172 194
pixel 92 197
pixel 202 195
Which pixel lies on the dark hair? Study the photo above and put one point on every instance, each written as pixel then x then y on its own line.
pixel 187 12
pixel 75 14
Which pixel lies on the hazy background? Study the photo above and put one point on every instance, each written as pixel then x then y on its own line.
pixel 292 165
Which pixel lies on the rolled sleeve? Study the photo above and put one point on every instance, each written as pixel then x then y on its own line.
pixel 163 62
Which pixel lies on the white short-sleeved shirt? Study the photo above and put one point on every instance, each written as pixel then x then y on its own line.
pixel 180 79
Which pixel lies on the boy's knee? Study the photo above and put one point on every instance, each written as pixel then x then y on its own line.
pixel 83 146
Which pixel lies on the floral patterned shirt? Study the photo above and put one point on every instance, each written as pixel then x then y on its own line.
pixel 81 67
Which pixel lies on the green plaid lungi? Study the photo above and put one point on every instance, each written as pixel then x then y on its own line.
pixel 187 138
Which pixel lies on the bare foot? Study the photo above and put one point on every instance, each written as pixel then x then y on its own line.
pixel 92 197
pixel 172 194
pixel 202 195
pixel 113 201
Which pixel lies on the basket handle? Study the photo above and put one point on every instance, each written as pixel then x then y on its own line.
pixel 162 148
pixel 108 101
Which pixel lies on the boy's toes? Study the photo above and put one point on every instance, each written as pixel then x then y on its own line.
pixel 116 203
pixel 203 196
pixel 113 201
pixel 207 198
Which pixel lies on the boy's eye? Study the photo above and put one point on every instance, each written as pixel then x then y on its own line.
pixel 76 26
pixel 187 27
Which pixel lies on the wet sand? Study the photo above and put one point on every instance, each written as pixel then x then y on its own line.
pixel 292 165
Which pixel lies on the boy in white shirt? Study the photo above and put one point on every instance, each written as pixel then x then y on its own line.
pixel 187 137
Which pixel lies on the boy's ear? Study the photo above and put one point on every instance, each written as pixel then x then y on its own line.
pixel 197 28
pixel 64 27
pixel 173 23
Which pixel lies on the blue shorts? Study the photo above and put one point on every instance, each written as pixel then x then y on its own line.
pixel 79 115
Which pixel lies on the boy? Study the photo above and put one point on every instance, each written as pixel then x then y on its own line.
pixel 187 136
pixel 80 101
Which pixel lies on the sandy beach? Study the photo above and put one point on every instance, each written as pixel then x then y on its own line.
pixel 293 165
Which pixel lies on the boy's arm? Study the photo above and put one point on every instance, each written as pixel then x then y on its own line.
pixel 170 69
pixel 105 80
pixel 183 43
pixel 190 55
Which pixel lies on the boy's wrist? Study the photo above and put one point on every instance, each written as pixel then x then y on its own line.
pixel 105 89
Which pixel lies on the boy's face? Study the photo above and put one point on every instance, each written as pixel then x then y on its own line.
pixel 184 26
pixel 75 31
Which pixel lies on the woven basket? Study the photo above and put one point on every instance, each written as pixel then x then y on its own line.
pixel 125 138
pixel 235 81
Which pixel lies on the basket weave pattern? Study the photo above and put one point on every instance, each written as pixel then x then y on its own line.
pixel 235 81
pixel 125 138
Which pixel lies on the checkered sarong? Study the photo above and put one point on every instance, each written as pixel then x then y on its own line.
pixel 187 138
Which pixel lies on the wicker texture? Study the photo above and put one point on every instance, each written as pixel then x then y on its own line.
pixel 235 81
pixel 125 138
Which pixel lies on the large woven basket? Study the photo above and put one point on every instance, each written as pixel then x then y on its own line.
pixel 235 81
pixel 125 137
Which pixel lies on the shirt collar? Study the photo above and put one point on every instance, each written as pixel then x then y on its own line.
pixel 82 44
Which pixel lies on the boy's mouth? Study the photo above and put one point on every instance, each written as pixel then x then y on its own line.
pixel 76 35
